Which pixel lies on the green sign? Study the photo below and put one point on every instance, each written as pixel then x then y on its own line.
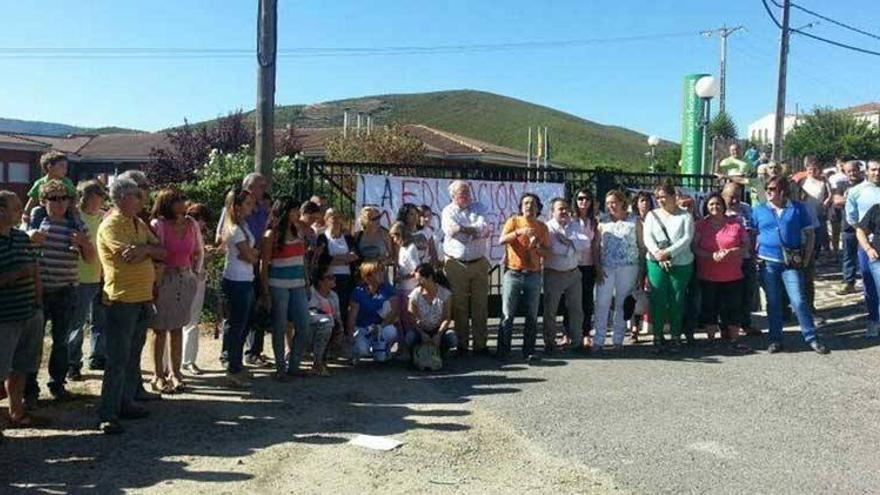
pixel 691 135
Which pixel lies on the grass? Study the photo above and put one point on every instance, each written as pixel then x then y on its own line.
pixel 488 117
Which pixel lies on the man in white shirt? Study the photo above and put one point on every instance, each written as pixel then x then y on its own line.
pixel 465 243
pixel 562 276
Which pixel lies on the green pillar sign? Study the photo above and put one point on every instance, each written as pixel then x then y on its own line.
pixel 691 136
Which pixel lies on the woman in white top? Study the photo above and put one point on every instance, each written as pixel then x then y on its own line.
pixel 336 248
pixel 617 266
pixel 431 308
pixel 238 279
pixel 585 216
pixel 669 231
pixel 408 260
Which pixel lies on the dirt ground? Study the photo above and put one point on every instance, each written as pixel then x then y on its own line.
pixel 292 438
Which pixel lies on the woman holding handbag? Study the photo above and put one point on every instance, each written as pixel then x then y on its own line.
pixel 669 231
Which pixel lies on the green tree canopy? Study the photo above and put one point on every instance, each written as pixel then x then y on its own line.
pixel 829 133
pixel 722 127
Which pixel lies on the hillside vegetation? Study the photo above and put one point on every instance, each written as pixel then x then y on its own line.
pixel 488 117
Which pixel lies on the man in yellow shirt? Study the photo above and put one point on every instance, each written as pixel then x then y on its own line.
pixel 527 241
pixel 127 250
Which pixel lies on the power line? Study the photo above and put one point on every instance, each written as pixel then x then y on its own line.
pixel 306 52
pixel 818 38
pixel 826 18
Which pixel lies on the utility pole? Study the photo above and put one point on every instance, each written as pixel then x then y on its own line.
pixel 267 44
pixel 778 133
pixel 723 32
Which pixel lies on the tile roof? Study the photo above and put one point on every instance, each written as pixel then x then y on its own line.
pixel 864 108
pixel 13 141
pixel 130 146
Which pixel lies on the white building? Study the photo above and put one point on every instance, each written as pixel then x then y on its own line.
pixel 762 130
pixel 869 112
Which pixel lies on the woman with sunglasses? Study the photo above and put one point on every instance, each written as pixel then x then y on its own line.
pixel 372 242
pixel 63 240
pixel 585 216
pixel 785 246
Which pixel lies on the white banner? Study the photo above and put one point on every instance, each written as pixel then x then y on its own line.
pixel 501 198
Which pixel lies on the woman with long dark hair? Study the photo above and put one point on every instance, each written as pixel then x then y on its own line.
pixel 585 216
pixel 283 277
pixel 430 305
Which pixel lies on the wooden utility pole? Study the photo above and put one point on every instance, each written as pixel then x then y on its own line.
pixel 267 44
pixel 723 32
pixel 778 133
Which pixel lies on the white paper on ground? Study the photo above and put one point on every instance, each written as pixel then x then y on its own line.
pixel 375 443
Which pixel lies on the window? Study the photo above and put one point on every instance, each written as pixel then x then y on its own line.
pixel 18 173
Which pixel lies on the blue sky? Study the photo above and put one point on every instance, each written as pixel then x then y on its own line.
pixel 633 84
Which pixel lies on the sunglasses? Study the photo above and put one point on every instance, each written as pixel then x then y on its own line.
pixel 57 199
pixel 771 189
pixel 583 198
pixel 375 219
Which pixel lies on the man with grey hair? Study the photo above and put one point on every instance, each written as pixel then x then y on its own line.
pixel 127 249
pixel 466 231
pixel 257 222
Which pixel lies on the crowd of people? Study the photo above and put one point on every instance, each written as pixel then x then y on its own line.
pixel 129 263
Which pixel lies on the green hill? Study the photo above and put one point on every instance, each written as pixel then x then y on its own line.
pixel 488 117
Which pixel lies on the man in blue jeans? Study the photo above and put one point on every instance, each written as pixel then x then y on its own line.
pixel 527 241
pixel 859 200
pixel 849 250
pixel 785 245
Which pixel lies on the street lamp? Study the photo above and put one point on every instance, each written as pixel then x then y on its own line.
pixel 706 88
pixel 653 141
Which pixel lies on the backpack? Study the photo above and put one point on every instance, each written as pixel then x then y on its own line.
pixel 426 357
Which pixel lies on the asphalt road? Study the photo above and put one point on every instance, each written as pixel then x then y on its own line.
pixel 706 421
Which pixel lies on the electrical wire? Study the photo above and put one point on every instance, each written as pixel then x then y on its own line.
pixel 308 52
pixel 826 18
pixel 818 38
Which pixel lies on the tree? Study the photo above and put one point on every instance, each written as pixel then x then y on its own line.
pixel 391 144
pixel 192 145
pixel 829 133
pixel 722 127
pixel 668 160
pixel 290 143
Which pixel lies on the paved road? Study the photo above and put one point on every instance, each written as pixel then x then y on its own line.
pixel 709 420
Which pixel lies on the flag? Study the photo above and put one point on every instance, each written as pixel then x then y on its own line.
pixel 540 144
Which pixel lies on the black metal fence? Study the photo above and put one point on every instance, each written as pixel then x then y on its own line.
pixel 338 182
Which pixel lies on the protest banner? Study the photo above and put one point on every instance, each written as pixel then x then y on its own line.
pixel 501 199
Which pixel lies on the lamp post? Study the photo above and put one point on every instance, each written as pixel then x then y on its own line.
pixel 653 141
pixel 706 88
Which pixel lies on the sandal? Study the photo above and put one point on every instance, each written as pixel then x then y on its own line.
pixel 177 385
pixel 320 370
pixel 161 386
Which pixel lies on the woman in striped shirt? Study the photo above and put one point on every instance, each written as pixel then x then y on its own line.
pixel 283 277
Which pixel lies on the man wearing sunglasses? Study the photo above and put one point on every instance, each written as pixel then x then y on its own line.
pixel 859 200
pixel 63 240
pixel 465 232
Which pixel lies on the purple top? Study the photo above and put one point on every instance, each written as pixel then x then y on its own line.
pixel 258 221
